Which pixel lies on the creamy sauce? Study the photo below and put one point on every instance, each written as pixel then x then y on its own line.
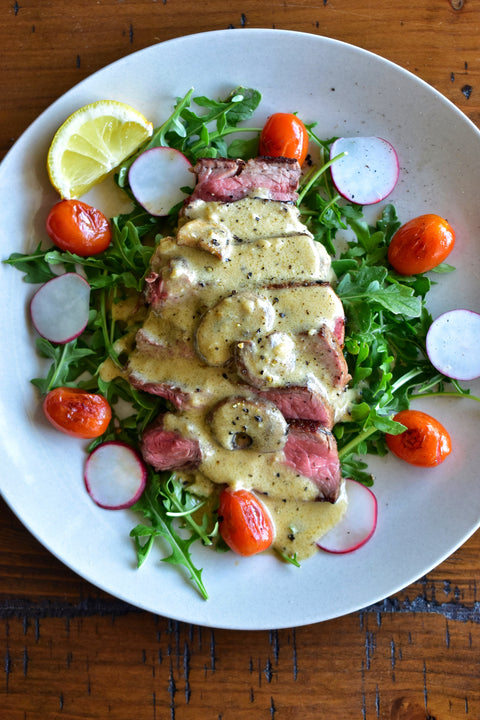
pixel 226 311
pixel 129 312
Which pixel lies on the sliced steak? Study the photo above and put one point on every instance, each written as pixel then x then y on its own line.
pixel 300 403
pixel 227 180
pixel 170 282
pixel 312 451
pixel 150 342
pixel 174 395
pixel 339 331
pixel 146 364
pixel 250 218
pixel 155 291
pixel 325 348
pixel 168 450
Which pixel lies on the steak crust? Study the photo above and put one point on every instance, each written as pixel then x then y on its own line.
pixel 228 180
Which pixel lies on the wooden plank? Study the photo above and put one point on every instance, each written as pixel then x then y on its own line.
pixel 437 41
pixel 64 641
pixel 136 665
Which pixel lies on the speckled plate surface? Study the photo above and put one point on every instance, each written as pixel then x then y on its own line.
pixel 423 515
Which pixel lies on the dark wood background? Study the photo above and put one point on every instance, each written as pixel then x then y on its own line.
pixel 71 651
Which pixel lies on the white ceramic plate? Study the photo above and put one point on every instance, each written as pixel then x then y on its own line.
pixel 423 516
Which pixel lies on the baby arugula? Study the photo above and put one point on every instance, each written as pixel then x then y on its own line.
pixel 163 502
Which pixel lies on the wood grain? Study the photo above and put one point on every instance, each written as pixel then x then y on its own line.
pixel 72 651
pixel 49 46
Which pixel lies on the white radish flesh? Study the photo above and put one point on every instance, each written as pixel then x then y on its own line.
pixel 368 171
pixel 115 475
pixel 357 525
pixel 453 344
pixel 59 309
pixel 156 177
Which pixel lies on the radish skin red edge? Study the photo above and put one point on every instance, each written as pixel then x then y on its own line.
pixel 357 525
pixel 115 475
pixel 60 308
pixel 155 179
pixel 453 344
pixel 368 171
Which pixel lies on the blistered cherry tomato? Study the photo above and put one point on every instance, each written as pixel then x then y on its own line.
pixel 244 523
pixel 425 442
pixel 78 228
pixel 76 412
pixel 421 244
pixel 284 135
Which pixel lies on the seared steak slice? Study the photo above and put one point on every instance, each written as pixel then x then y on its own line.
pixel 300 403
pixel 174 395
pixel 144 363
pixel 312 451
pixel 227 180
pixel 326 350
pixel 251 218
pixel 339 331
pixel 278 360
pixel 168 450
pixel 167 282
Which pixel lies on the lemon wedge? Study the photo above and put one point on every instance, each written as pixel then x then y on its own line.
pixel 93 141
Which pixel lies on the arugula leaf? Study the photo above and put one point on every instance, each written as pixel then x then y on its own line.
pixel 242 148
pixel 367 285
pixel 290 559
pixel 156 505
pixel 67 364
pixel 32 265
pixel 200 140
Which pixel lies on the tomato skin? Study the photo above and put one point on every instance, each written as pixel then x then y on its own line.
pixel 76 412
pixel 244 523
pixel 421 244
pixel 78 228
pixel 284 135
pixel 424 443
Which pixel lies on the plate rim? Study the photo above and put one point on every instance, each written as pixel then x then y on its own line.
pixel 132 56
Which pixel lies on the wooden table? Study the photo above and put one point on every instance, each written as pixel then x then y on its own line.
pixel 70 651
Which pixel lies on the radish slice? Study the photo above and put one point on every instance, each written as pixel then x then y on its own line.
pixel 368 171
pixel 453 344
pixel 115 475
pixel 156 177
pixel 59 309
pixel 357 525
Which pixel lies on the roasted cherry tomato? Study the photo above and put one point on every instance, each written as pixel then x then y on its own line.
pixel 284 135
pixel 425 442
pixel 78 228
pixel 244 523
pixel 76 412
pixel 420 245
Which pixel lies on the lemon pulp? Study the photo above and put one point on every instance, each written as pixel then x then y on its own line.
pixel 93 141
